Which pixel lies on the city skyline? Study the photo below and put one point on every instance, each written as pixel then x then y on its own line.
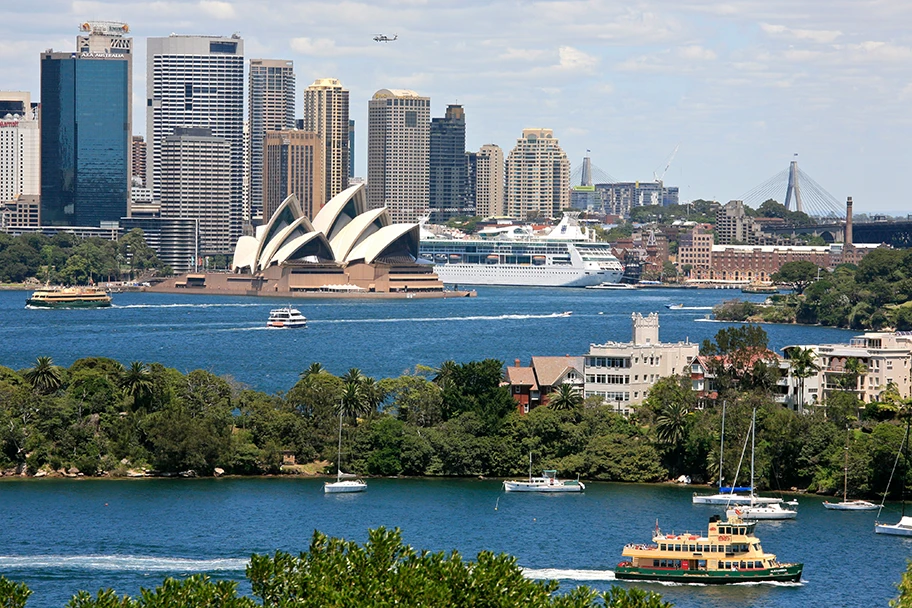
pixel 741 86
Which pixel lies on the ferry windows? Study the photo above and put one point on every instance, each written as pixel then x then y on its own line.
pixel 693 548
pixel 662 547
pixel 677 547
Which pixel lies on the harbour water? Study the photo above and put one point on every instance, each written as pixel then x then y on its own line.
pixel 60 536
pixel 63 535
pixel 228 335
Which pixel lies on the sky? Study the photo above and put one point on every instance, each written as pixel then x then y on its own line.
pixel 737 86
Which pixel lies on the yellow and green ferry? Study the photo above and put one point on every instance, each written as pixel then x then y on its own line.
pixel 69 297
pixel 729 553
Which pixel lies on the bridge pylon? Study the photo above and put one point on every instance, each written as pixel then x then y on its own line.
pixel 794 187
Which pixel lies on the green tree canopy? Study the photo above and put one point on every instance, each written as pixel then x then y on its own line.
pixel 799 274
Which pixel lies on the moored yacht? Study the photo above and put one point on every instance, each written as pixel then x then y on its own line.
pixel 773 511
pixel 729 553
pixel 548 482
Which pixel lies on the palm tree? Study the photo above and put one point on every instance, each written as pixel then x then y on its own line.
pixel 44 376
pixel 804 365
pixel 446 373
pixel 852 370
pixel 373 394
pixel 353 402
pixel 566 397
pixel 353 375
pixel 136 382
pixel 314 369
pixel 671 423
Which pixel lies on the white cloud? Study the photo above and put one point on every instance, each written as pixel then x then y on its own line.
pixel 696 52
pixel 818 36
pixel 523 54
pixel 576 60
pixel 323 47
pixel 218 9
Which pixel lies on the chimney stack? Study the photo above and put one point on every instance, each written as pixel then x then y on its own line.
pixel 848 228
pixel 516 362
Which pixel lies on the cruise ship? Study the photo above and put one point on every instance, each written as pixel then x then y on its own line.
pixel 514 255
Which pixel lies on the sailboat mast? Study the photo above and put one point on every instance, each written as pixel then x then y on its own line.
pixel 721 447
pixel 530 466
pixel 339 457
pixel 905 447
pixel 845 470
pixel 753 438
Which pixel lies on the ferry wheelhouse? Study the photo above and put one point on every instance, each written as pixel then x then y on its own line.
pixel 729 553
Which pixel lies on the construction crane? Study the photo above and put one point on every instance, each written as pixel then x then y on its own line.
pixel 660 178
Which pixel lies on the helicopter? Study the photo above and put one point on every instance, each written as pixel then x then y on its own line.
pixel 385 38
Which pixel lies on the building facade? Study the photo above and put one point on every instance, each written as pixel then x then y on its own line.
pixel 85 138
pixel 735 227
pixel 489 181
pixel 532 386
pixel 622 373
pixel 175 240
pixel 695 250
pixel 138 160
pixel 270 107
pixel 195 183
pixel 757 263
pixel 197 81
pixel 20 145
pixel 398 149
pixel 537 176
pixel 618 198
pixel 293 164
pixel 351 149
pixel 326 108
pixel 448 169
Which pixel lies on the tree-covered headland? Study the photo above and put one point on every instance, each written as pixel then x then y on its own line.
pixel 70 260
pixel 98 417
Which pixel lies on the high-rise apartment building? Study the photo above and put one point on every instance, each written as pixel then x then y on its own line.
pixel 194 182
pixel 85 135
pixel 351 149
pixel 138 161
pixel 293 164
pixel 447 179
pixel 326 114
pixel 271 107
pixel 537 176
pixel 20 160
pixel 197 81
pixel 398 147
pixel 489 181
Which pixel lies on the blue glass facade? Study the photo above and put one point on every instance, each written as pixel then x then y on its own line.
pixel 85 139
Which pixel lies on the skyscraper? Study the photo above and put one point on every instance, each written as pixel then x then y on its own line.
pixel 271 107
pixel 326 114
pixel 447 169
pixel 138 161
pixel 351 149
pixel 197 81
pixel 537 177
pixel 293 165
pixel 194 183
pixel 398 134
pixel 20 161
pixel 489 181
pixel 85 137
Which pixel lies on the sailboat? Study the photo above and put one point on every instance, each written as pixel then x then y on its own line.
pixel 730 495
pixel 845 504
pixel 904 526
pixel 754 510
pixel 548 482
pixel 345 482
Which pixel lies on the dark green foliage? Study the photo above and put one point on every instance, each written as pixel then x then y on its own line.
pixel 12 594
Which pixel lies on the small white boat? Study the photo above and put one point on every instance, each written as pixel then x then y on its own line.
pixel 286 318
pixel 850 505
pixel 674 306
pixel 548 482
pixel 732 499
pixel 773 510
pixel 622 286
pixel 902 528
pixel 566 313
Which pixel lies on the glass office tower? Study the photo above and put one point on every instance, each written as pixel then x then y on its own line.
pixel 85 139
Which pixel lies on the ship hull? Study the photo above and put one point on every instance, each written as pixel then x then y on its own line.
pixel 784 574
pixel 515 275
pixel 68 304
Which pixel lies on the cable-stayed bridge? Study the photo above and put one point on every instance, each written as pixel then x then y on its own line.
pixel 800 193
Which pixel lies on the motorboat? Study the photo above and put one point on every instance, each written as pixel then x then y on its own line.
pixel 773 510
pixel 548 482
pixel 845 504
pixel 345 482
pixel 674 306
pixel 612 286
pixel 566 313
pixel 904 526
pixel 286 318
pixel 729 553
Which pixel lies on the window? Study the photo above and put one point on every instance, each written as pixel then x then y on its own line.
pixel 411 118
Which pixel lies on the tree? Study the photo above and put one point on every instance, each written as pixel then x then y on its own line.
pixel 905 589
pixel 799 274
pixel 136 382
pixel 313 369
pixel 851 372
pixel 13 595
pixel 566 397
pixel 44 377
pixel 671 423
pixel 803 362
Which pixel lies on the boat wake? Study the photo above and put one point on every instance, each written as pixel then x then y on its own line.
pixel 568 575
pixel 212 305
pixel 120 563
pixel 692 308
pixel 556 315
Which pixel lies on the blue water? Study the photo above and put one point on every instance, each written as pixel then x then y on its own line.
pixel 63 535
pixel 227 335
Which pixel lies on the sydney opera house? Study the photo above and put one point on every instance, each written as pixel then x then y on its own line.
pixel 346 249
